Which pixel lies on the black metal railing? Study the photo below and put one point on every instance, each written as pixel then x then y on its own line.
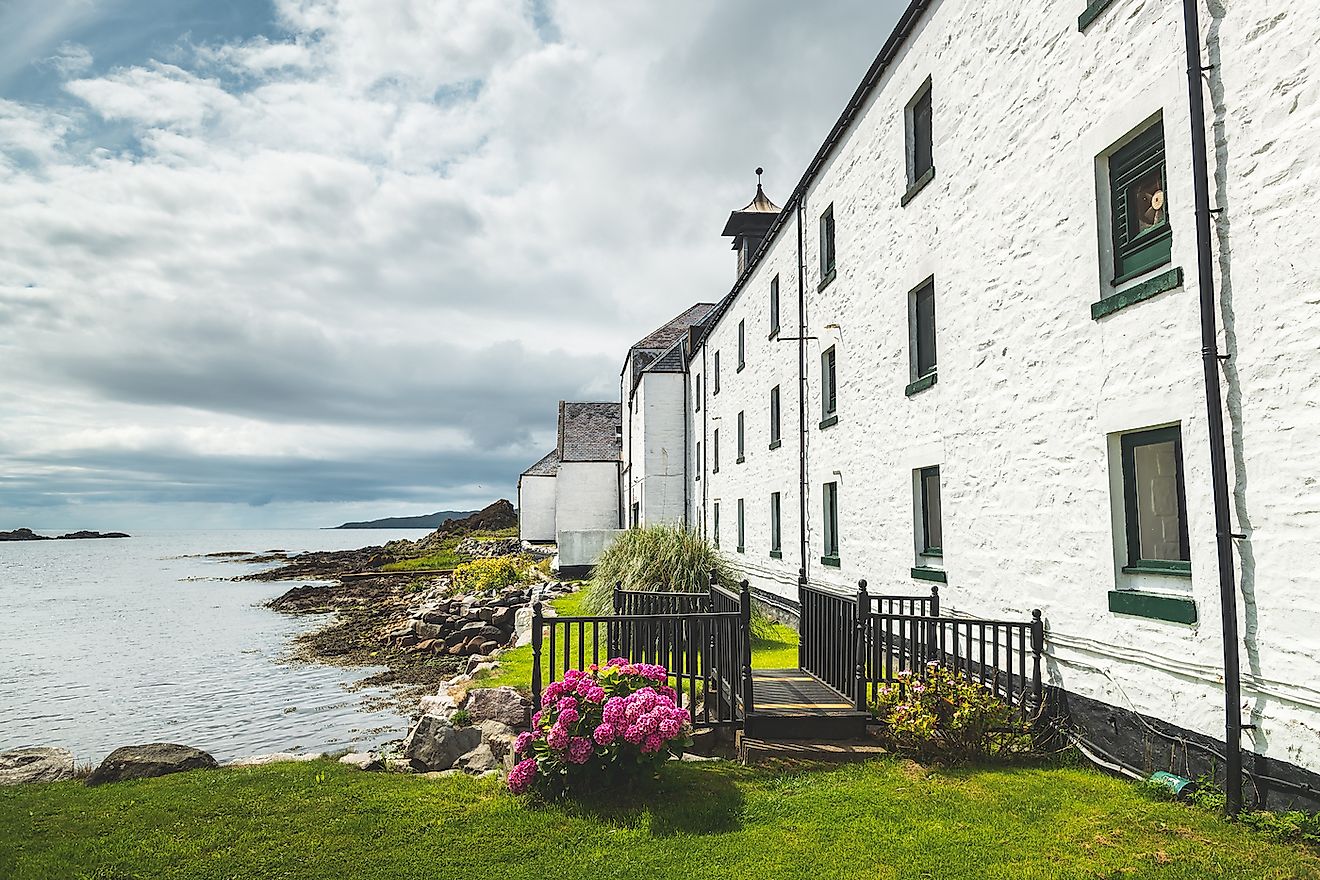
pixel 827 647
pixel 704 644
pixel 1002 655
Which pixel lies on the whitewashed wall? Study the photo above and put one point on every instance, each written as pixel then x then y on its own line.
pixel 587 496
pixel 536 508
pixel 1031 389
pixel 661 485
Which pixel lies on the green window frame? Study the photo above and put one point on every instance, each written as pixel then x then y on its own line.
pixel 775 440
pixel 827 266
pixel 697 392
pixel 715 451
pixel 697 456
pixel 742 437
pixel 1154 492
pixel 924 358
pixel 742 346
pixel 715 388
pixel 921 137
pixel 774 307
pixel 776 536
pixel 1138 187
pixel 829 382
pixel 932 512
pixel 742 528
pixel 830 516
pixel 715 521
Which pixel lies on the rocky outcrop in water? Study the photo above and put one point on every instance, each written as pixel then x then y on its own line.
pixel 148 761
pixel 29 535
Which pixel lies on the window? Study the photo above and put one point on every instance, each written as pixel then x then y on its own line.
pixel 698 461
pixel 742 439
pixel 1154 502
pixel 774 307
pixel 742 531
pixel 1143 239
pixel 774 418
pixel 742 346
pixel 636 514
pixel 775 550
pixel 715 523
pixel 932 529
pixel 827 246
pixel 697 393
pixel 715 388
pixel 830 496
pixel 921 318
pixel 920 139
pixel 715 454
pixel 828 385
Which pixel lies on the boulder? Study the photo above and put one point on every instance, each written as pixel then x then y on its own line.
pixel 149 760
pixel 499 704
pixel 35 765
pixel 427 631
pixel 478 761
pixel 435 744
pixel 522 626
pixel 500 739
pixel 363 761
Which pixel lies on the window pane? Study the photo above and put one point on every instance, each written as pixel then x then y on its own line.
pixel 1145 200
pixel 774 414
pixel 1159 525
pixel 774 304
pixel 741 436
pixel 742 345
pixel 827 382
pixel 925 336
pixel 931 514
pixel 922 148
pixel 830 497
pixel 774 521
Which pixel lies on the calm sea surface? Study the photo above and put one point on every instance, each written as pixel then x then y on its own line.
pixel 110 642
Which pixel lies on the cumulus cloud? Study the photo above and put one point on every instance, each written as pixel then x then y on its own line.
pixel 358 258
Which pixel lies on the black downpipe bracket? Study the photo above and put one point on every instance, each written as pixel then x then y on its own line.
pixel 1215 413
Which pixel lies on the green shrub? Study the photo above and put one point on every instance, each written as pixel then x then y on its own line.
pixel 939 714
pixel 482 575
pixel 1288 826
pixel 657 558
pixel 461 718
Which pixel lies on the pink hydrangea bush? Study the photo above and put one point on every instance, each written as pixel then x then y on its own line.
pixel 600 727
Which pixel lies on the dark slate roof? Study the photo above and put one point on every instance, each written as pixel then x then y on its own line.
pixel 546 467
pixel 590 431
pixel 660 343
pixel 671 361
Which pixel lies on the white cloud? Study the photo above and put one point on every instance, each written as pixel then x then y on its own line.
pixel 388 238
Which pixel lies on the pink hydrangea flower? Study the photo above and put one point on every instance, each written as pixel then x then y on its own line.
pixel 569 716
pixel 557 738
pixel 579 750
pixel 567 703
pixel 652 744
pixel 523 744
pixel 521 776
pixel 604 734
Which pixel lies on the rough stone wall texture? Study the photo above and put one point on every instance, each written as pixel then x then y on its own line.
pixel 536 508
pixel 587 496
pixel 1032 391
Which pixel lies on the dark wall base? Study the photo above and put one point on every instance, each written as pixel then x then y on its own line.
pixel 1145 744
pixel 575 572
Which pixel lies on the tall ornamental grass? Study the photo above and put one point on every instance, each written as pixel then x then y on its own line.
pixel 668 559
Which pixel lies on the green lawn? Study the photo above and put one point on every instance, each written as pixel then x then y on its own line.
pixel 446 559
pixel 778 651
pixel 885 819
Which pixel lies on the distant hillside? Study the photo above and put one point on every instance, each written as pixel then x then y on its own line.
pixel 430 521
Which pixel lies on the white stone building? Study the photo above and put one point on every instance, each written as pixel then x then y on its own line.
pixel 968 352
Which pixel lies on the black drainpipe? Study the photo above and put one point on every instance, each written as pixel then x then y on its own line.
pixel 1215 414
pixel 802 404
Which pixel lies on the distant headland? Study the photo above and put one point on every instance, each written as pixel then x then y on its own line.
pixel 29 535
pixel 429 521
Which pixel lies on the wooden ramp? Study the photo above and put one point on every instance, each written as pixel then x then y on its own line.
pixel 794 704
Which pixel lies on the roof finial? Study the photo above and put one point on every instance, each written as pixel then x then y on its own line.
pixel 759 172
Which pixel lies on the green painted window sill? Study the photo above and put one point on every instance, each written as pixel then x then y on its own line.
pixel 829 421
pixel 774 333
pixel 1170 280
pixel 925 573
pixel 775 444
pixel 935 552
pixel 1177 569
pixel 776 554
pixel 922 384
pixel 826 281
pixel 831 561
pixel 740 550
pixel 740 368
pixel 917 186
pixel 714 470
pixel 740 459
pixel 1092 12
pixel 1174 609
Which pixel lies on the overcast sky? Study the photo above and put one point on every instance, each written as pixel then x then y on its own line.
pixel 292 263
